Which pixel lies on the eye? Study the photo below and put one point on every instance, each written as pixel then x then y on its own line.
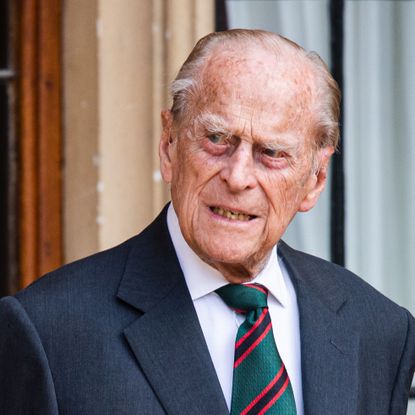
pixel 217 138
pixel 272 153
pixel 274 158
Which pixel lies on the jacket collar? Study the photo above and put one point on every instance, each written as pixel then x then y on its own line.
pixel 167 339
pixel 317 276
pixel 329 345
pixel 152 269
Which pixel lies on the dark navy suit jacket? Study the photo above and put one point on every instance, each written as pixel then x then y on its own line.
pixel 117 333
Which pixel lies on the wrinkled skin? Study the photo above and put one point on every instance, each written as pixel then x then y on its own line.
pixel 257 158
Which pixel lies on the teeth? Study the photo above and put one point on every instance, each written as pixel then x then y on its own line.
pixel 231 215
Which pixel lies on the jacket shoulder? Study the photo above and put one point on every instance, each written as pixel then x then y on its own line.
pixel 330 280
pixel 102 269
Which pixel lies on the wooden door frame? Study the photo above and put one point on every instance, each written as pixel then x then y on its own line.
pixel 40 139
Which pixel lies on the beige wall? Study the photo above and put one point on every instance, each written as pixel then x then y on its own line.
pixel 119 57
pixel 80 128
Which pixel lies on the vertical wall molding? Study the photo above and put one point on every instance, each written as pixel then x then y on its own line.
pixel 40 217
pixel 119 58
pixel 337 195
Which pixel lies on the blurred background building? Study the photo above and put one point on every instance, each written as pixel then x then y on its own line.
pixel 82 85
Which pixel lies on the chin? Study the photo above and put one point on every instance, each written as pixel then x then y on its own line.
pixel 226 254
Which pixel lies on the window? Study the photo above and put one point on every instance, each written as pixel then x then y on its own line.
pixel 8 150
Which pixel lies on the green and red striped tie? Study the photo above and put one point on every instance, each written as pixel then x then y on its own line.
pixel 260 382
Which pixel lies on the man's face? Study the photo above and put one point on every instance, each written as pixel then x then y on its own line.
pixel 241 165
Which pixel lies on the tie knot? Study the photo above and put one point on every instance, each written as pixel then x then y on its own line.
pixel 244 297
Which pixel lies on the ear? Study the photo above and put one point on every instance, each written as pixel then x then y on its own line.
pixel 317 180
pixel 165 146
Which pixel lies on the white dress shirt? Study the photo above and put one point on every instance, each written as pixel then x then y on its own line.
pixel 220 324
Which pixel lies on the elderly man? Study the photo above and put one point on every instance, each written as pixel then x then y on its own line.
pixel 207 311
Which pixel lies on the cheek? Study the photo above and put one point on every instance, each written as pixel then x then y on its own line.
pixel 195 169
pixel 284 193
pixel 193 174
pixel 184 170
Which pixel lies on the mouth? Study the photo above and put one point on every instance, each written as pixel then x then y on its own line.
pixel 231 214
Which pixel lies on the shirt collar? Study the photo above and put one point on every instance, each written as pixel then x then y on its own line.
pixel 202 279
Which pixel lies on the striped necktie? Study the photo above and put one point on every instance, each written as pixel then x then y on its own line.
pixel 260 382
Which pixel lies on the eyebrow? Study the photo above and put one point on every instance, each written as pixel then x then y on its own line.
pixel 279 145
pixel 213 123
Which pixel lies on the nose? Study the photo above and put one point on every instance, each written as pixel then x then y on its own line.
pixel 239 169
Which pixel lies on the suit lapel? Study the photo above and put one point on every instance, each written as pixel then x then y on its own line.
pixel 167 340
pixel 169 346
pixel 329 348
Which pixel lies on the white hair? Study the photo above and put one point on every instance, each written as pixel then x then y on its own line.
pixel 187 86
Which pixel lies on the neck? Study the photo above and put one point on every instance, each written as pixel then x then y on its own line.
pixel 240 273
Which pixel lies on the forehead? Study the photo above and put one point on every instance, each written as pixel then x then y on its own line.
pixel 258 88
